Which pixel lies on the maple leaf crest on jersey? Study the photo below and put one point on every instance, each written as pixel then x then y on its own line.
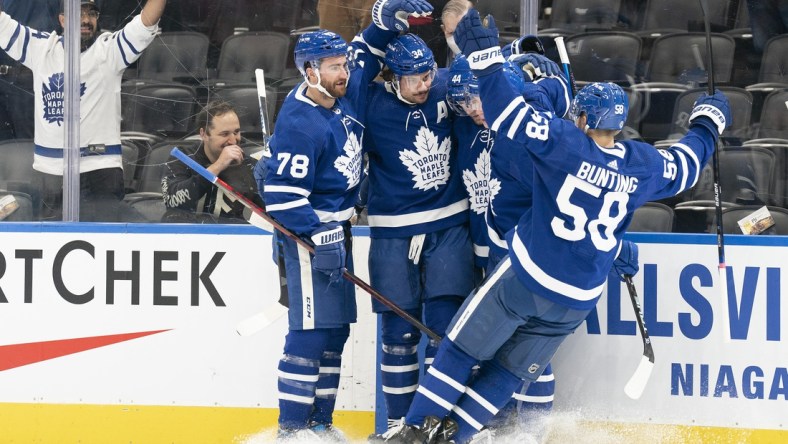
pixel 52 98
pixel 429 164
pixel 481 189
pixel 349 164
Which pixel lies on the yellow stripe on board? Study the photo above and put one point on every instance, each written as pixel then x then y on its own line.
pixel 135 424
pixel 573 431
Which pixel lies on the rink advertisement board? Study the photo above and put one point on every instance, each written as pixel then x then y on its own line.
pixel 126 333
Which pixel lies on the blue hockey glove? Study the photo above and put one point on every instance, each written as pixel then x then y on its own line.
pixel 536 66
pixel 478 40
pixel 713 112
pixel 330 254
pixel 392 15
pixel 627 261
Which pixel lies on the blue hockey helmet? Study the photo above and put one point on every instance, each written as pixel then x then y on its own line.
pixel 317 45
pixel 462 86
pixel 605 104
pixel 408 55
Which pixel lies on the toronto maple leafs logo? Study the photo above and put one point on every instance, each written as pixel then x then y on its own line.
pixel 429 164
pixel 481 189
pixel 52 96
pixel 349 164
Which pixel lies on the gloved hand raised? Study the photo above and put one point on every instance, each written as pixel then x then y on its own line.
pixel 627 261
pixel 473 34
pixel 713 112
pixel 330 254
pixel 392 15
pixel 536 66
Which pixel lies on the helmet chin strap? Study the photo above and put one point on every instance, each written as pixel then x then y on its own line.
pixel 395 86
pixel 317 85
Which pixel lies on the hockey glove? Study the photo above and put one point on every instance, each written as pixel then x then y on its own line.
pixel 392 15
pixel 536 66
pixel 523 45
pixel 478 40
pixel 329 258
pixel 627 261
pixel 713 112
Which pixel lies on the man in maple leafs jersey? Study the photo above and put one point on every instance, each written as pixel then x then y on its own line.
pixel 103 60
pixel 420 253
pixel 493 175
pixel 311 186
pixel 188 196
pixel 586 187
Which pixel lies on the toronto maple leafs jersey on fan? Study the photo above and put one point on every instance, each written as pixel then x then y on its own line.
pixel 583 194
pixel 474 145
pixel 415 187
pixel 315 165
pixel 101 67
pixel 512 169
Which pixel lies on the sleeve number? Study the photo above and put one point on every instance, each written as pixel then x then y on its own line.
pixel 537 128
pixel 600 229
pixel 299 164
pixel 671 169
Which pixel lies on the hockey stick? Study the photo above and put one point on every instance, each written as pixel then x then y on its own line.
pixel 717 190
pixel 564 57
pixel 262 101
pixel 637 383
pixel 273 312
pixel 260 218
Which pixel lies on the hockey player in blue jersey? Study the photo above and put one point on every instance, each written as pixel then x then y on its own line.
pixel 420 251
pixel 585 188
pixel 496 175
pixel 311 185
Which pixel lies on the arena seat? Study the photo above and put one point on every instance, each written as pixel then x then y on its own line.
pixel 652 217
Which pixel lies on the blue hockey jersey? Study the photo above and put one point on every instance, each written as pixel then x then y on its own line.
pixel 511 168
pixel 474 146
pixel 414 184
pixel 315 166
pixel 583 194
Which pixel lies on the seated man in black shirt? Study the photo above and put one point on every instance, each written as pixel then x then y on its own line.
pixel 192 199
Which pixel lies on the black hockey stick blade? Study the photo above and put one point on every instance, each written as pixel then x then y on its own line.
pixel 637 383
pixel 260 218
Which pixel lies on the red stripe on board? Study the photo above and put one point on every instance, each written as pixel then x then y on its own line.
pixel 18 355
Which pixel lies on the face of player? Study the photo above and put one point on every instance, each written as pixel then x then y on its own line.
pixel 416 88
pixel 474 111
pixel 225 130
pixel 334 74
pixel 88 22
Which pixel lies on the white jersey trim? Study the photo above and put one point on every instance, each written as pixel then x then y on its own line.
pixel 286 189
pixel 547 281
pixel 420 217
pixel 339 216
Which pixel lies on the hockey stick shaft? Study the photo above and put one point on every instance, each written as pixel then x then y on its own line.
pixel 637 383
pixel 262 101
pixel 564 57
pixel 715 159
pixel 259 213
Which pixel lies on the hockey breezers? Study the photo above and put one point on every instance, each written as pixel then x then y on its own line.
pixel 637 383
pixel 263 220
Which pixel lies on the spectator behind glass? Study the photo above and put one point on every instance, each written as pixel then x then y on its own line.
pixel 768 18
pixel 104 58
pixel 189 197
pixel 345 17
pixel 16 80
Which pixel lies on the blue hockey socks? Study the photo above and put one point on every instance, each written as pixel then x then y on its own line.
pixel 443 384
pixel 490 391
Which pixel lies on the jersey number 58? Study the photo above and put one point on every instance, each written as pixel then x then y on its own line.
pixel 600 229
